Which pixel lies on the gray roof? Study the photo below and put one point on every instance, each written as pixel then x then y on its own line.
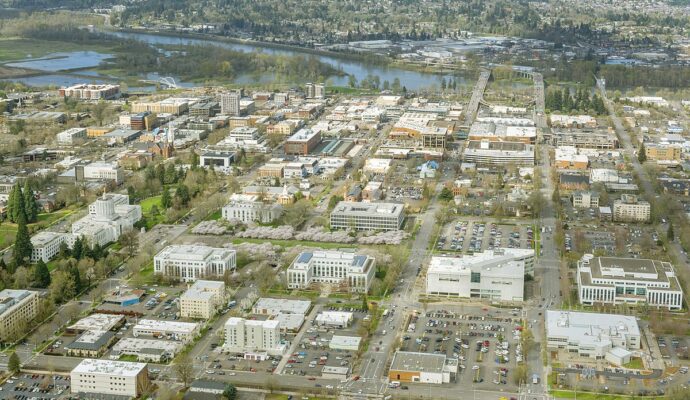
pixel 91 345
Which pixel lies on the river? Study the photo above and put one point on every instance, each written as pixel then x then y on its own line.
pixel 412 80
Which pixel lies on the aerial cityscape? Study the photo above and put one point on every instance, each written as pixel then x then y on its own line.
pixel 344 199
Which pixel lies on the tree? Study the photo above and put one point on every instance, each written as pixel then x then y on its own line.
pixel 76 278
pixel 641 153
pixel 365 304
pixel 41 274
pixel 166 200
pixel 184 369
pixel 14 365
pixel 22 242
pixel 12 203
pixel 669 233
pixel 78 248
pixel 182 195
pixel 130 241
pixel 230 392
pixel 446 194
pixel 30 204
pixel 99 112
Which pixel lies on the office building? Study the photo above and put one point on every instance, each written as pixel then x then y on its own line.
pixel 368 216
pixel 302 142
pixel 171 105
pixel 191 262
pixel 591 335
pixel 486 152
pixel 46 245
pixel 569 157
pixel 109 216
pixel 71 136
pixel 171 330
pixel 663 152
pixel 17 308
pixel 630 209
pixel 230 103
pixel 91 92
pixel 147 350
pixel 105 377
pixel 216 158
pixel 315 90
pixel 346 343
pixel 99 322
pixel 422 368
pixel 202 299
pixel 247 138
pixel 585 199
pixel 92 343
pixel 351 271
pixel 248 208
pixel 587 139
pixel 336 319
pixel 274 307
pixel 257 339
pixel 99 170
pixel 493 274
pixel 613 280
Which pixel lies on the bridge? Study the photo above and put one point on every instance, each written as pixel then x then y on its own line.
pixel 477 97
pixel 167 81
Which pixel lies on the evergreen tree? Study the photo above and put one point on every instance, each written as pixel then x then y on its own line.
pixel 641 153
pixel 567 100
pixel 30 204
pixel 557 101
pixel 230 392
pixel 160 173
pixel 22 243
pixel 182 194
pixel 166 200
pixel 3 265
pixel 41 274
pixel 669 234
pixel 365 304
pixel 76 277
pixel 13 365
pixel 446 194
pixel 78 248
pixel 170 174
pixel 64 250
pixel 12 204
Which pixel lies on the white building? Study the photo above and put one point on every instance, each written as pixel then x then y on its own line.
pixel 258 338
pixel 191 262
pixel 248 208
pixel 202 299
pixel 408 366
pixel 107 377
pixel 172 330
pixel 100 170
pixel 613 280
pixel 347 343
pixel 629 209
pixel 338 319
pixel 17 308
pixel 247 138
pixel 494 274
pixel 486 152
pixel 147 350
pixel 353 271
pixel 71 136
pixel 230 103
pixel 46 245
pixel 87 91
pixel 216 158
pixel 377 165
pixel 109 216
pixel 592 335
pixel 368 216
pixel 275 307
pixel 585 199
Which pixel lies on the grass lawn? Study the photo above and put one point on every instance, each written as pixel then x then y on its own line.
pixel 567 394
pixel 52 264
pixel 146 273
pixel 635 363
pixel 149 202
pixel 292 243
pixel 14 48
pixel 128 357
pixel 7 234
pixel 214 216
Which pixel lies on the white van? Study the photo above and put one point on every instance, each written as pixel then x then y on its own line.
pixel 394 384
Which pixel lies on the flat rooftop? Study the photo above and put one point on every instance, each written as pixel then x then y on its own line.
pixel 417 362
pixel 508 261
pixel 589 328
pixel 284 306
pixel 108 367
pixel 628 269
pixel 166 326
pixel 97 321
pixel 368 209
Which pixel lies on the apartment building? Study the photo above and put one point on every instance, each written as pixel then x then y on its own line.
pixel 591 335
pixel 71 136
pixel 614 280
pixel 248 208
pixel 493 274
pixel 630 209
pixel 91 92
pixel 257 339
pixel 191 262
pixel 663 152
pixel 202 299
pixel 353 272
pixel 17 308
pixel 588 139
pixel 368 216
pixel 106 377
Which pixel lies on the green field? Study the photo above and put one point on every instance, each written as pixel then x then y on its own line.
pixel 149 202
pixel 567 394
pixel 635 363
pixel 14 48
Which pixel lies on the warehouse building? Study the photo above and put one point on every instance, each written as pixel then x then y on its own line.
pixel 422 367
pixel 173 330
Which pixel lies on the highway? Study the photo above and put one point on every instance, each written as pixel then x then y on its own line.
pixel 477 95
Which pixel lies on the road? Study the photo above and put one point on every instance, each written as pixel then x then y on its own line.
pixel 477 95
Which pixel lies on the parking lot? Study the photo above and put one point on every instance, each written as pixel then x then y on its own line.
pixel 474 236
pixel 35 386
pixel 485 346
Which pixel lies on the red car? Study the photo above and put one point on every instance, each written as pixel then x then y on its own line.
pixel 311 378
pixel 356 378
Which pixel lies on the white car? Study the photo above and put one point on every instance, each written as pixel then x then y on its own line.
pixel 476 367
